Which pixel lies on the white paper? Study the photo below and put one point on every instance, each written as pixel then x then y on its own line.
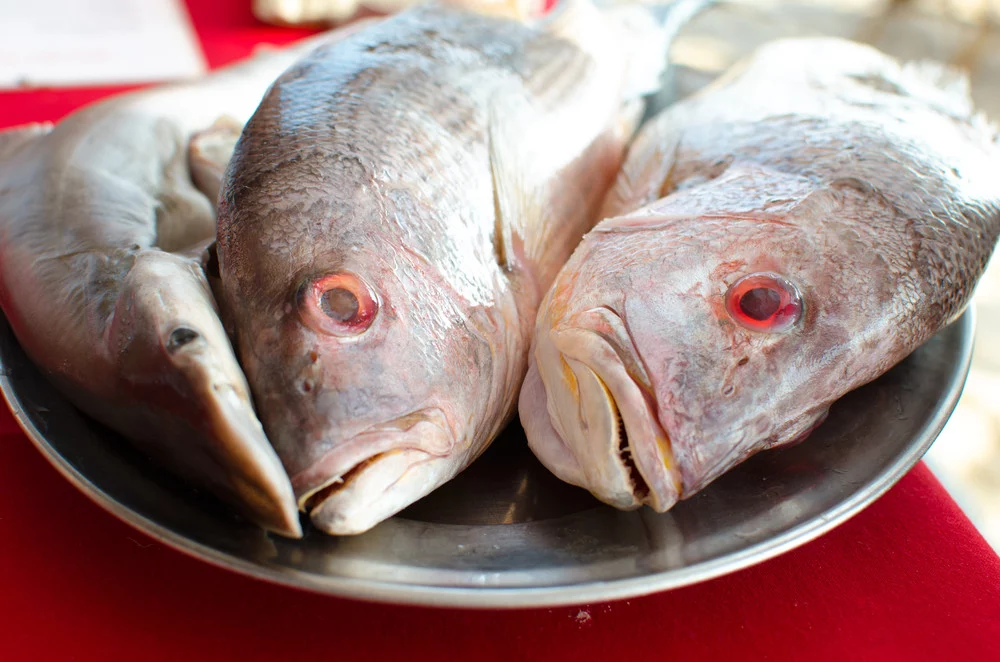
pixel 96 42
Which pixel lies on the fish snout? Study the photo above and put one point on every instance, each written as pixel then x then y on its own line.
pixel 231 433
pixel 374 474
pixel 253 471
pixel 602 412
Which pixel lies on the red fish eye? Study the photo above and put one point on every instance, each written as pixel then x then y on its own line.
pixel 338 304
pixel 764 302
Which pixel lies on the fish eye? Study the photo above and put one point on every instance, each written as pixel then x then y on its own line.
pixel 179 337
pixel 764 302
pixel 339 304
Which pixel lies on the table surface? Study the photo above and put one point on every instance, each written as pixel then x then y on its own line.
pixel 909 578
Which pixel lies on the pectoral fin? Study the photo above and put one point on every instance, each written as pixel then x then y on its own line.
pixel 517 204
pixel 209 152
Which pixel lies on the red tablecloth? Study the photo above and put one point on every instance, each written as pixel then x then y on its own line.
pixel 907 579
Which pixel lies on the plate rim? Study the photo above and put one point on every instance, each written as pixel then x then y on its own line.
pixel 559 595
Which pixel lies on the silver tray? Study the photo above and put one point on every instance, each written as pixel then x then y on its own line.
pixel 506 533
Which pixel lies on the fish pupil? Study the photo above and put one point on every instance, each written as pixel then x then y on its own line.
pixel 179 337
pixel 340 304
pixel 760 303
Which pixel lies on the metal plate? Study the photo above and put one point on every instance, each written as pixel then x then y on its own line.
pixel 506 533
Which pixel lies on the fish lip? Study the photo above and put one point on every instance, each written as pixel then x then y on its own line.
pixel 378 489
pixel 398 434
pixel 315 501
pixel 599 340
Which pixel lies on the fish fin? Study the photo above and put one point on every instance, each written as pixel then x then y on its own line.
pixel 576 21
pixel 502 239
pixel 557 67
pixel 949 80
pixel 947 88
pixel 518 10
pixel 641 34
pixel 645 29
pixel 12 139
pixel 649 31
pixel 209 152
pixel 517 205
pixel 646 176
pixel 631 117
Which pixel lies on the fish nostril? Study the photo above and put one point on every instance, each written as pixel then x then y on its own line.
pixel 728 389
pixel 742 362
pixel 307 386
pixel 180 337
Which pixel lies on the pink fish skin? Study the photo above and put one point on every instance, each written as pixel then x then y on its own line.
pixel 771 243
pixel 392 215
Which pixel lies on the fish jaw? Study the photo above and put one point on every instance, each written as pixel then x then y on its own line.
pixel 375 474
pixel 600 411
pixel 379 489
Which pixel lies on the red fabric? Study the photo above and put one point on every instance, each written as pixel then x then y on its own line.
pixel 907 579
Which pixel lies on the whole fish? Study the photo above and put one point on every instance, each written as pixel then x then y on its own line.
pixel 392 215
pixel 772 242
pixel 103 219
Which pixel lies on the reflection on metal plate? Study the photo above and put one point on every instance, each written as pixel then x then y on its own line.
pixel 506 532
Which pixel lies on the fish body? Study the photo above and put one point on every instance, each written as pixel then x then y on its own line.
pixel 392 215
pixel 776 240
pixel 102 228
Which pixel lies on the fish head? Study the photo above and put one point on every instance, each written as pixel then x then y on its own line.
pixel 675 343
pixel 372 375
pixel 174 360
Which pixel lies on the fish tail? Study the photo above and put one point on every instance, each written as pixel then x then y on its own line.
pixel 649 29
pixel 520 10
pixel 643 29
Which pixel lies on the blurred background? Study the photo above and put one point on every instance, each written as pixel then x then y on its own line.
pixel 89 42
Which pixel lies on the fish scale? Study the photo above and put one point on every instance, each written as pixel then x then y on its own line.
pixel 823 169
pixel 484 148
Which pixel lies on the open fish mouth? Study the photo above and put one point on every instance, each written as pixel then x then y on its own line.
pixel 604 413
pixel 640 489
pixel 341 482
pixel 377 472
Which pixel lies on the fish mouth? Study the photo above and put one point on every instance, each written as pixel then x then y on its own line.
pixel 373 475
pixel 604 413
pixel 376 489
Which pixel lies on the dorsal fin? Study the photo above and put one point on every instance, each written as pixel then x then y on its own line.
pixel 947 89
pixel 938 84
